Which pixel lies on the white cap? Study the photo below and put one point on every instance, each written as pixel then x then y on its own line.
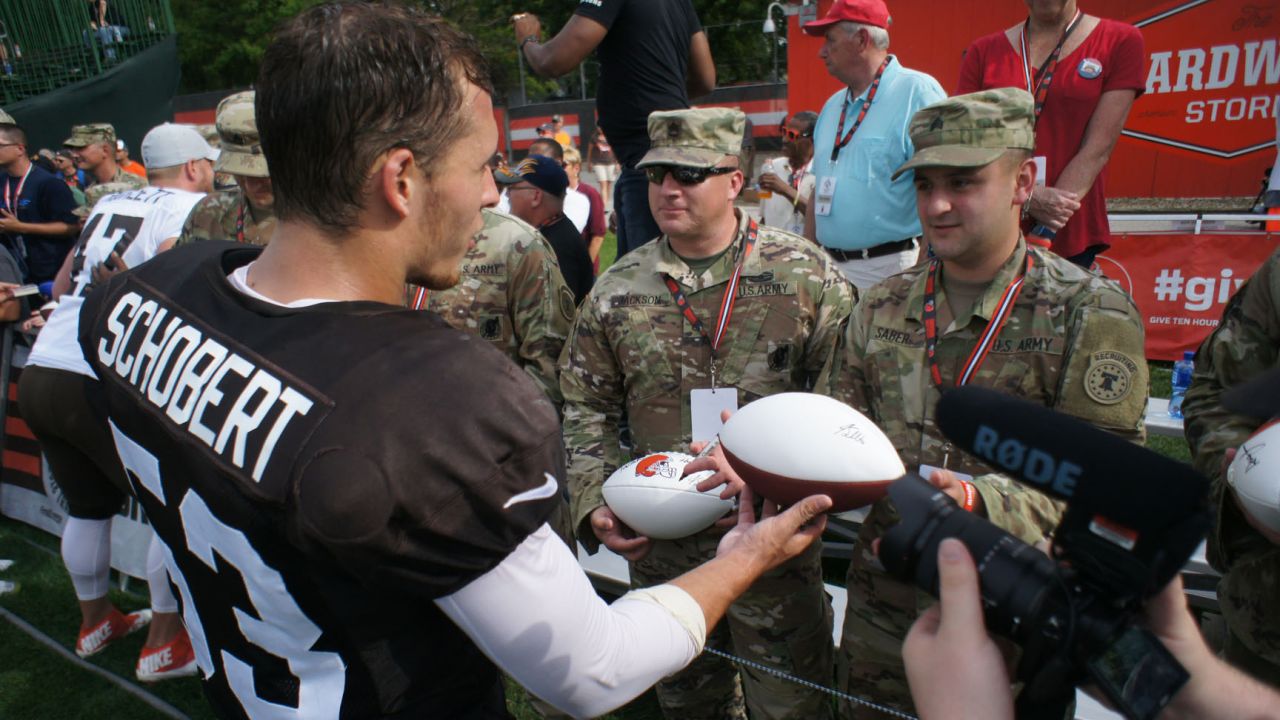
pixel 169 145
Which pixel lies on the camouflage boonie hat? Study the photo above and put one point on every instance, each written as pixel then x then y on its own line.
pixel 241 148
pixel 971 130
pixel 82 135
pixel 696 138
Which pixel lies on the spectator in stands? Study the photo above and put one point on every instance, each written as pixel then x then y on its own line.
pixel 602 162
pixel 125 163
pixel 37 219
pixel 544 132
pixel 537 189
pixel 93 147
pixel 593 233
pixel 791 183
pixel 653 55
pixel 106 22
pixel 1084 72
pixel 559 133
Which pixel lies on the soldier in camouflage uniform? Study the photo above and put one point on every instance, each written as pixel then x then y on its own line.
pixel 1245 345
pixel 633 351
pixel 93 147
pixel 243 213
pixel 1072 341
pixel 511 294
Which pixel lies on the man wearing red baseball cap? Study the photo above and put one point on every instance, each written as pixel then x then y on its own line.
pixel 865 220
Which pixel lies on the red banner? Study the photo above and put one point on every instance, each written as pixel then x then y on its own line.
pixel 1182 282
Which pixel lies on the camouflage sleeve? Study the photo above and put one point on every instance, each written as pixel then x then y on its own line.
pixel 1104 381
pixel 833 303
pixel 592 385
pixel 843 379
pixel 186 237
pixel 1244 345
pixel 195 228
pixel 541 308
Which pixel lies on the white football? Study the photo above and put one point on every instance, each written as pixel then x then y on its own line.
pixel 650 495
pixel 1255 475
pixel 789 446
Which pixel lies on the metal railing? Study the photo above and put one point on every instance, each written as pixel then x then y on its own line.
pixel 48 44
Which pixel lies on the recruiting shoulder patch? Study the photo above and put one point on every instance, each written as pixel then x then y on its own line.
pixel 1110 376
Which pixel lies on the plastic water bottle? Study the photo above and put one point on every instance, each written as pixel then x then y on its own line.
pixel 1182 371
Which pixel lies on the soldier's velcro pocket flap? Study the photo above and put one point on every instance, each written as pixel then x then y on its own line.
pixel 762 344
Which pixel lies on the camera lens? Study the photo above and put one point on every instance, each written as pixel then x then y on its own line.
pixel 1020 589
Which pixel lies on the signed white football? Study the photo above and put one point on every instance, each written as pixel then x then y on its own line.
pixel 1255 475
pixel 650 495
pixel 789 446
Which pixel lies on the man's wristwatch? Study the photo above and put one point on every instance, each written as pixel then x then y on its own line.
pixel 526 41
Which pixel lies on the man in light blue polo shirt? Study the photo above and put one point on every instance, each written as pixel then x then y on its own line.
pixel 867 221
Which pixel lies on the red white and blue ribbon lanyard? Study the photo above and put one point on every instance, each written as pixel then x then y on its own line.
pixel 240 221
pixel 419 297
pixel 1044 76
pixel 985 341
pixel 840 142
pixel 726 303
pixel 16 196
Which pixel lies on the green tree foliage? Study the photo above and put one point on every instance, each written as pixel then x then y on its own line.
pixel 221 41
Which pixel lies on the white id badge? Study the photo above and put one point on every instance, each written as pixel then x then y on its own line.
pixel 705 405
pixel 826 196
pixel 926 472
pixel 1042 169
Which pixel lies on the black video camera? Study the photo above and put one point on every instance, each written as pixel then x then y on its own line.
pixel 1132 521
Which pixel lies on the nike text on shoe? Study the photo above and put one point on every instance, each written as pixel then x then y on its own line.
pixel 116 626
pixel 173 659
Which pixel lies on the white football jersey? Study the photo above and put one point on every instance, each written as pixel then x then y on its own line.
pixel 131 224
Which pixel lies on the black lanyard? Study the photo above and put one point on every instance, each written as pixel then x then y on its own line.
pixel 862 114
pixel 985 341
pixel 1044 76
pixel 726 303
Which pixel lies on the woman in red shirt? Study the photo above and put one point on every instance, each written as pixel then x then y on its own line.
pixel 1084 72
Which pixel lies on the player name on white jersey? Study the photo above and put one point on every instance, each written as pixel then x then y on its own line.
pixel 228 402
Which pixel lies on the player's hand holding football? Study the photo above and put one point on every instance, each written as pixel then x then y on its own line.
pixel 617 536
pixel 777 536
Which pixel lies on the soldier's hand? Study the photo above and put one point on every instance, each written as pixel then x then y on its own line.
pixel 616 536
pixel 947 482
pixel 1053 207
pixel 724 477
pixel 776 537
pixel 954 668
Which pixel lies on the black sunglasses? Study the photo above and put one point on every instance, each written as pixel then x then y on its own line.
pixel 684 175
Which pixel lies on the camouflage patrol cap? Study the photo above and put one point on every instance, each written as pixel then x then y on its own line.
pixel 241 148
pixel 696 138
pixel 971 130
pixel 82 135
